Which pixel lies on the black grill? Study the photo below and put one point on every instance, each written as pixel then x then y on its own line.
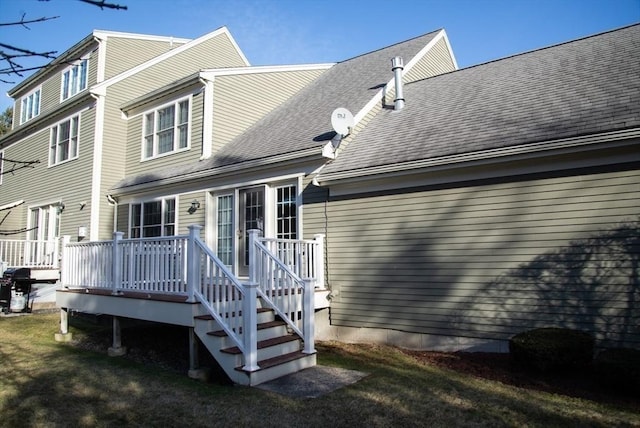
pixel 15 285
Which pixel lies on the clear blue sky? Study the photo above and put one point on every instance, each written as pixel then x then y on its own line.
pixel 318 31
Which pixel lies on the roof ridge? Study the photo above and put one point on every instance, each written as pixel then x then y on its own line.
pixel 390 46
pixel 549 47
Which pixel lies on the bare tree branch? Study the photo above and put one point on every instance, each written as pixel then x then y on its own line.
pixel 103 4
pixel 17 165
pixel 23 23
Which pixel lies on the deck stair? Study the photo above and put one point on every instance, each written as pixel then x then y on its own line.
pixel 279 349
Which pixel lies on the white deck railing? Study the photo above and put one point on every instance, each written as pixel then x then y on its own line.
pixel 280 287
pixel 30 253
pixel 283 273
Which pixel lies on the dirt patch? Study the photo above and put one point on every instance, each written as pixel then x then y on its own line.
pixel 583 383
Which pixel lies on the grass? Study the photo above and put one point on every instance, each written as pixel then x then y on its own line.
pixel 49 384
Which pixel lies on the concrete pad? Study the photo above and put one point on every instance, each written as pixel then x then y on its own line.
pixel 313 382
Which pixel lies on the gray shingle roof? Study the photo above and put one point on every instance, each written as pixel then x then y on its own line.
pixel 304 121
pixel 583 87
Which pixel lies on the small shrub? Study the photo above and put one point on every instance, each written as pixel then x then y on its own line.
pixel 619 368
pixel 551 349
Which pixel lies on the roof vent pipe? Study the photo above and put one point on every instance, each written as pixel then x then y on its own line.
pixel 397 66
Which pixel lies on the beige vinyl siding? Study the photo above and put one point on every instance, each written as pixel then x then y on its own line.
pixel 134 165
pixel 242 100
pixel 437 61
pixel 69 182
pixel 490 260
pixel 185 219
pixel 122 219
pixel 123 53
pixel 51 85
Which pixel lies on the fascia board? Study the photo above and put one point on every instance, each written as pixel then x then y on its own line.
pixel 296 157
pixel 214 72
pixel 574 144
pixel 75 50
pixel 105 34
pixel 100 87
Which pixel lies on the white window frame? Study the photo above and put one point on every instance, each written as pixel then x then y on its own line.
pixel 163 224
pixel 30 109
pixel 75 83
pixel 74 140
pixel 153 134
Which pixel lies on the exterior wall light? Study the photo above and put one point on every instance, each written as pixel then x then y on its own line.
pixel 195 206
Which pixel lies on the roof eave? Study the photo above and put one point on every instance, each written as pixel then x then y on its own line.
pixel 572 144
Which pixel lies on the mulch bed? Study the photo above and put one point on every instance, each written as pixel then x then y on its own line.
pixel 582 383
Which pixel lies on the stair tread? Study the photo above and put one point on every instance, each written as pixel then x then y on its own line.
pixel 281 359
pixel 261 326
pixel 264 343
pixel 209 317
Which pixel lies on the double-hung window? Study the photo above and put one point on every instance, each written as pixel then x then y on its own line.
pixel 74 79
pixel 166 130
pixel 63 142
pixel 30 106
pixel 153 218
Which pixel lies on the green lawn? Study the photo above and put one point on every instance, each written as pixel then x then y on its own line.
pixel 49 384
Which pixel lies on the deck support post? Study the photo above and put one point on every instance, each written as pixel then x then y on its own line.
pixel 116 266
pixel 308 309
pixel 192 261
pixel 64 335
pixel 195 371
pixel 117 349
pixel 319 261
pixel 250 326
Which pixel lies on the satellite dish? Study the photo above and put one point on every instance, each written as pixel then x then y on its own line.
pixel 342 121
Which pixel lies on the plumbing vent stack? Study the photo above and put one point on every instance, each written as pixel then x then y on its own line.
pixel 397 66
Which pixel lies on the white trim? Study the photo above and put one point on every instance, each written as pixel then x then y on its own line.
pixel 28 94
pixel 162 199
pixel 207 120
pixel 72 65
pixel 100 87
pixel 453 57
pixel 102 59
pixel 409 65
pixel 104 34
pixel 252 183
pixel 96 170
pixel 56 125
pixel 176 103
pixel 11 205
pixel 232 71
pixel 2 170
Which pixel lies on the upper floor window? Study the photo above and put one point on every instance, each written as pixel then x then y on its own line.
pixel 153 218
pixel 166 129
pixel 30 106
pixel 63 144
pixel 74 79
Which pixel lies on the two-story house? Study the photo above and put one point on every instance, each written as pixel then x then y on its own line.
pixel 389 197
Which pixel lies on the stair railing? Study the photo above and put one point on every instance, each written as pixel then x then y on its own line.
pixel 290 296
pixel 224 297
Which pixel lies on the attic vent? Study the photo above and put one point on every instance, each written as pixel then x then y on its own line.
pixel 397 66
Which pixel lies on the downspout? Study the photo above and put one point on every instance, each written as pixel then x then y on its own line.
pixel 207 121
pixel 397 66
